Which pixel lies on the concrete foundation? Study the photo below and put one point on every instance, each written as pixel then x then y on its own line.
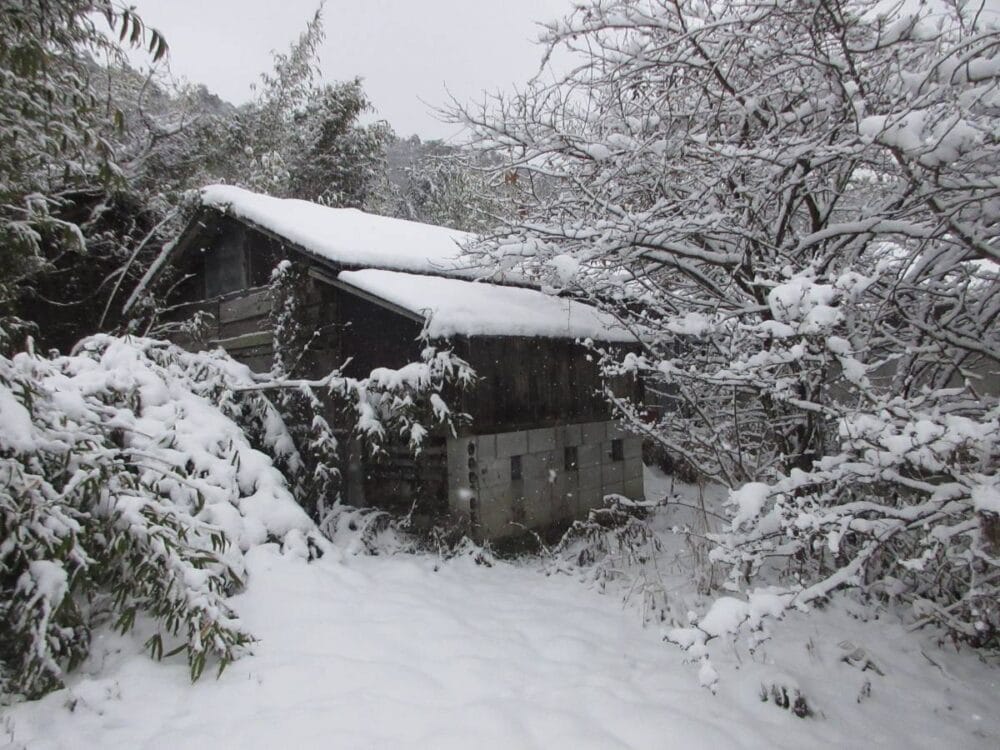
pixel 507 482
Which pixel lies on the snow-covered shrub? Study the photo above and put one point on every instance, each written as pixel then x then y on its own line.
pixel 903 510
pixel 611 539
pixel 726 619
pixel 789 699
pixel 615 543
pixel 133 476
pixel 128 486
pixel 362 531
pixel 317 480
pixel 465 548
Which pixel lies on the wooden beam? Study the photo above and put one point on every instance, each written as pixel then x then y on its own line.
pixel 246 341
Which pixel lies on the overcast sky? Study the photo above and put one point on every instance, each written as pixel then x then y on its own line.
pixel 406 50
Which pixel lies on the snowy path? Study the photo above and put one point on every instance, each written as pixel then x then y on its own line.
pixel 385 652
pixel 391 653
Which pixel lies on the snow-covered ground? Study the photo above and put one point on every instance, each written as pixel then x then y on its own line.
pixel 411 651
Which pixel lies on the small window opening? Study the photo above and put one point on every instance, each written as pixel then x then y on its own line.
pixel 515 468
pixel 570 460
pixel 617 450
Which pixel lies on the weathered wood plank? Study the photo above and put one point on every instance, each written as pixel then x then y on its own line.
pixel 246 341
pixel 252 304
pixel 236 328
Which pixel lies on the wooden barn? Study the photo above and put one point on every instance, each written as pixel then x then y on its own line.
pixel 540 449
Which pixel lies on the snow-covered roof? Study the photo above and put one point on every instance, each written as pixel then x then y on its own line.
pixel 467 308
pixel 396 257
pixel 348 236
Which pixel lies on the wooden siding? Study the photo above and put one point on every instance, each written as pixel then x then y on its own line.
pixel 527 382
pixel 373 336
pixel 400 482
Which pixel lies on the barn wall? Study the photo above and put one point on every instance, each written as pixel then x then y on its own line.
pixel 484 488
pixel 405 484
pixel 534 399
pixel 244 328
pixel 241 325
pixel 373 336
pixel 531 382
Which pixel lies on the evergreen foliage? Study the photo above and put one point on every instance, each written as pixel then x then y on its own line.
pixel 435 183
pixel 57 162
pixel 127 479
pixel 317 477
pixel 301 137
pixel 135 475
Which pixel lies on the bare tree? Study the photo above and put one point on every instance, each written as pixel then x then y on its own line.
pixel 794 206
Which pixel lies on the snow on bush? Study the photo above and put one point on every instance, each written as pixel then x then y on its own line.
pixel 613 539
pixel 133 477
pixel 126 485
pixel 898 511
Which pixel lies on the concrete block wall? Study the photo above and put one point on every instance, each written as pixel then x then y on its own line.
pixel 482 487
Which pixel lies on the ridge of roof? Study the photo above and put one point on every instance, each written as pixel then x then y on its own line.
pixel 349 236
